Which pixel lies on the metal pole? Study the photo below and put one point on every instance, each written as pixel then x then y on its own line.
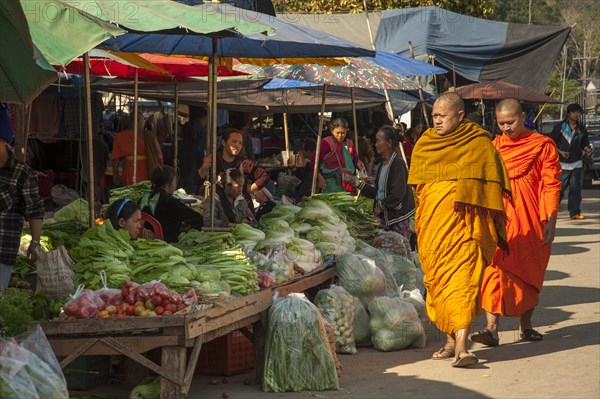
pixel 564 78
pixel 354 120
pixel 213 126
pixel 529 23
pixel 135 122
pixel 287 144
pixel 388 103
pixel 175 130
pixel 313 189
pixel 421 99
pixel 90 135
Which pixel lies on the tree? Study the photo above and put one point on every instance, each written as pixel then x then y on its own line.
pixel 476 8
pixel 572 88
pixel 543 12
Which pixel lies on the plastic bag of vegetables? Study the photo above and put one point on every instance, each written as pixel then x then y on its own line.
pixel 337 306
pixel 297 357
pixel 29 369
pixel 362 332
pixel 383 262
pixel 404 272
pixel 392 242
pixel 360 276
pixel 395 324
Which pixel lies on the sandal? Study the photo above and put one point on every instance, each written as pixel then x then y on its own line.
pixel 529 334
pixel 485 337
pixel 467 360
pixel 443 354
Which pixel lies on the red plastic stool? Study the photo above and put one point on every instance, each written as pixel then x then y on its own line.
pixel 155 224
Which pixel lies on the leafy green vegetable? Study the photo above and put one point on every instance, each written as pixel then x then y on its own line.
pixel 360 276
pixel 395 324
pixel 148 388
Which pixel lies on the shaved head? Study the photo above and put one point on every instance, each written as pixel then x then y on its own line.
pixel 448 112
pixel 511 118
pixel 509 104
pixel 454 100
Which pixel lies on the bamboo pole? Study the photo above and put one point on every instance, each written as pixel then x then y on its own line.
pixel 90 136
pixel 287 144
pixel 176 130
pixel 313 189
pixel 213 126
pixel 135 122
pixel 354 120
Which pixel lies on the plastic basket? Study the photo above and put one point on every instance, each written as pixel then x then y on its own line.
pixel 228 355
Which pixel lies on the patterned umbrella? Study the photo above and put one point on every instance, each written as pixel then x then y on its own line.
pixel 357 72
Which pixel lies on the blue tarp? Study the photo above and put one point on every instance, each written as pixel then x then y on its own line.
pixel 480 50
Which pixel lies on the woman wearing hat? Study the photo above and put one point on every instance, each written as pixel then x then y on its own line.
pixel 19 201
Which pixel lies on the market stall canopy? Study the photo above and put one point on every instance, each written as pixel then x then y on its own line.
pixel 149 66
pixel 498 90
pixel 170 17
pixel 247 95
pixel 480 50
pixel 357 72
pixel 290 43
pixel 24 72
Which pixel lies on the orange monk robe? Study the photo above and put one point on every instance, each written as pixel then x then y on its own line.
pixel 460 181
pixel 123 149
pixel 513 281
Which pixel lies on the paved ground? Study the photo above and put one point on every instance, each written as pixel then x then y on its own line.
pixel 565 365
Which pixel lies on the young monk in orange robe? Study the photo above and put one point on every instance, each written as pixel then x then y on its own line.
pixel 512 283
pixel 460 181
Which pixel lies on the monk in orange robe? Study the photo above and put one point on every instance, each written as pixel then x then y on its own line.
pixel 122 153
pixel 512 283
pixel 460 182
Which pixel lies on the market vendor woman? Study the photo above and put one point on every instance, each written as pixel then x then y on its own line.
pixel 19 201
pixel 337 157
pixel 394 202
pixel 231 155
pixel 172 214
pixel 230 206
pixel 125 214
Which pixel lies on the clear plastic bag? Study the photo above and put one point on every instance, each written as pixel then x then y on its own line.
pixel 30 369
pixel 84 305
pixel 297 357
pixel 110 296
pixel 360 276
pixel 383 262
pixel 395 324
pixel 362 332
pixel 337 306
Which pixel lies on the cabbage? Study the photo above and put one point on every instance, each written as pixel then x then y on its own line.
pixel 182 271
pixel 280 212
pixel 247 235
pixel 148 388
pixel 317 210
pixel 395 324
pixel 207 274
pixel 216 287
pixel 304 255
pixel 360 276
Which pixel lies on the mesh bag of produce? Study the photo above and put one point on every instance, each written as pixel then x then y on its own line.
pixel 392 242
pixel 395 324
pixel 360 276
pixel 297 357
pixel 337 306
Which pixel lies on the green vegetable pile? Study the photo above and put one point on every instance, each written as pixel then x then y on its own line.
pixel 153 258
pixel 219 251
pixel 355 212
pixel 19 309
pixel 103 248
pixel 133 192
pixel 148 388
pixel 297 357
pixel 67 233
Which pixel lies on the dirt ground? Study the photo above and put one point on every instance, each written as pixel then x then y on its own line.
pixel 566 364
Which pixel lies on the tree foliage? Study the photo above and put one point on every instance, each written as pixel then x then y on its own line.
pixel 475 8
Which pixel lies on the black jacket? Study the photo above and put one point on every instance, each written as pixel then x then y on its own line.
pixel 578 142
pixel 398 202
pixel 172 214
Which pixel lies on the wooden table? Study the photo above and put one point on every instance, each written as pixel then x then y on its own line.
pixel 132 336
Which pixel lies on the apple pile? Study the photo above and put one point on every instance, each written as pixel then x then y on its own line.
pixel 147 300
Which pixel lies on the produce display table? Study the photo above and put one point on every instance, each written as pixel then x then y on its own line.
pixel 132 336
